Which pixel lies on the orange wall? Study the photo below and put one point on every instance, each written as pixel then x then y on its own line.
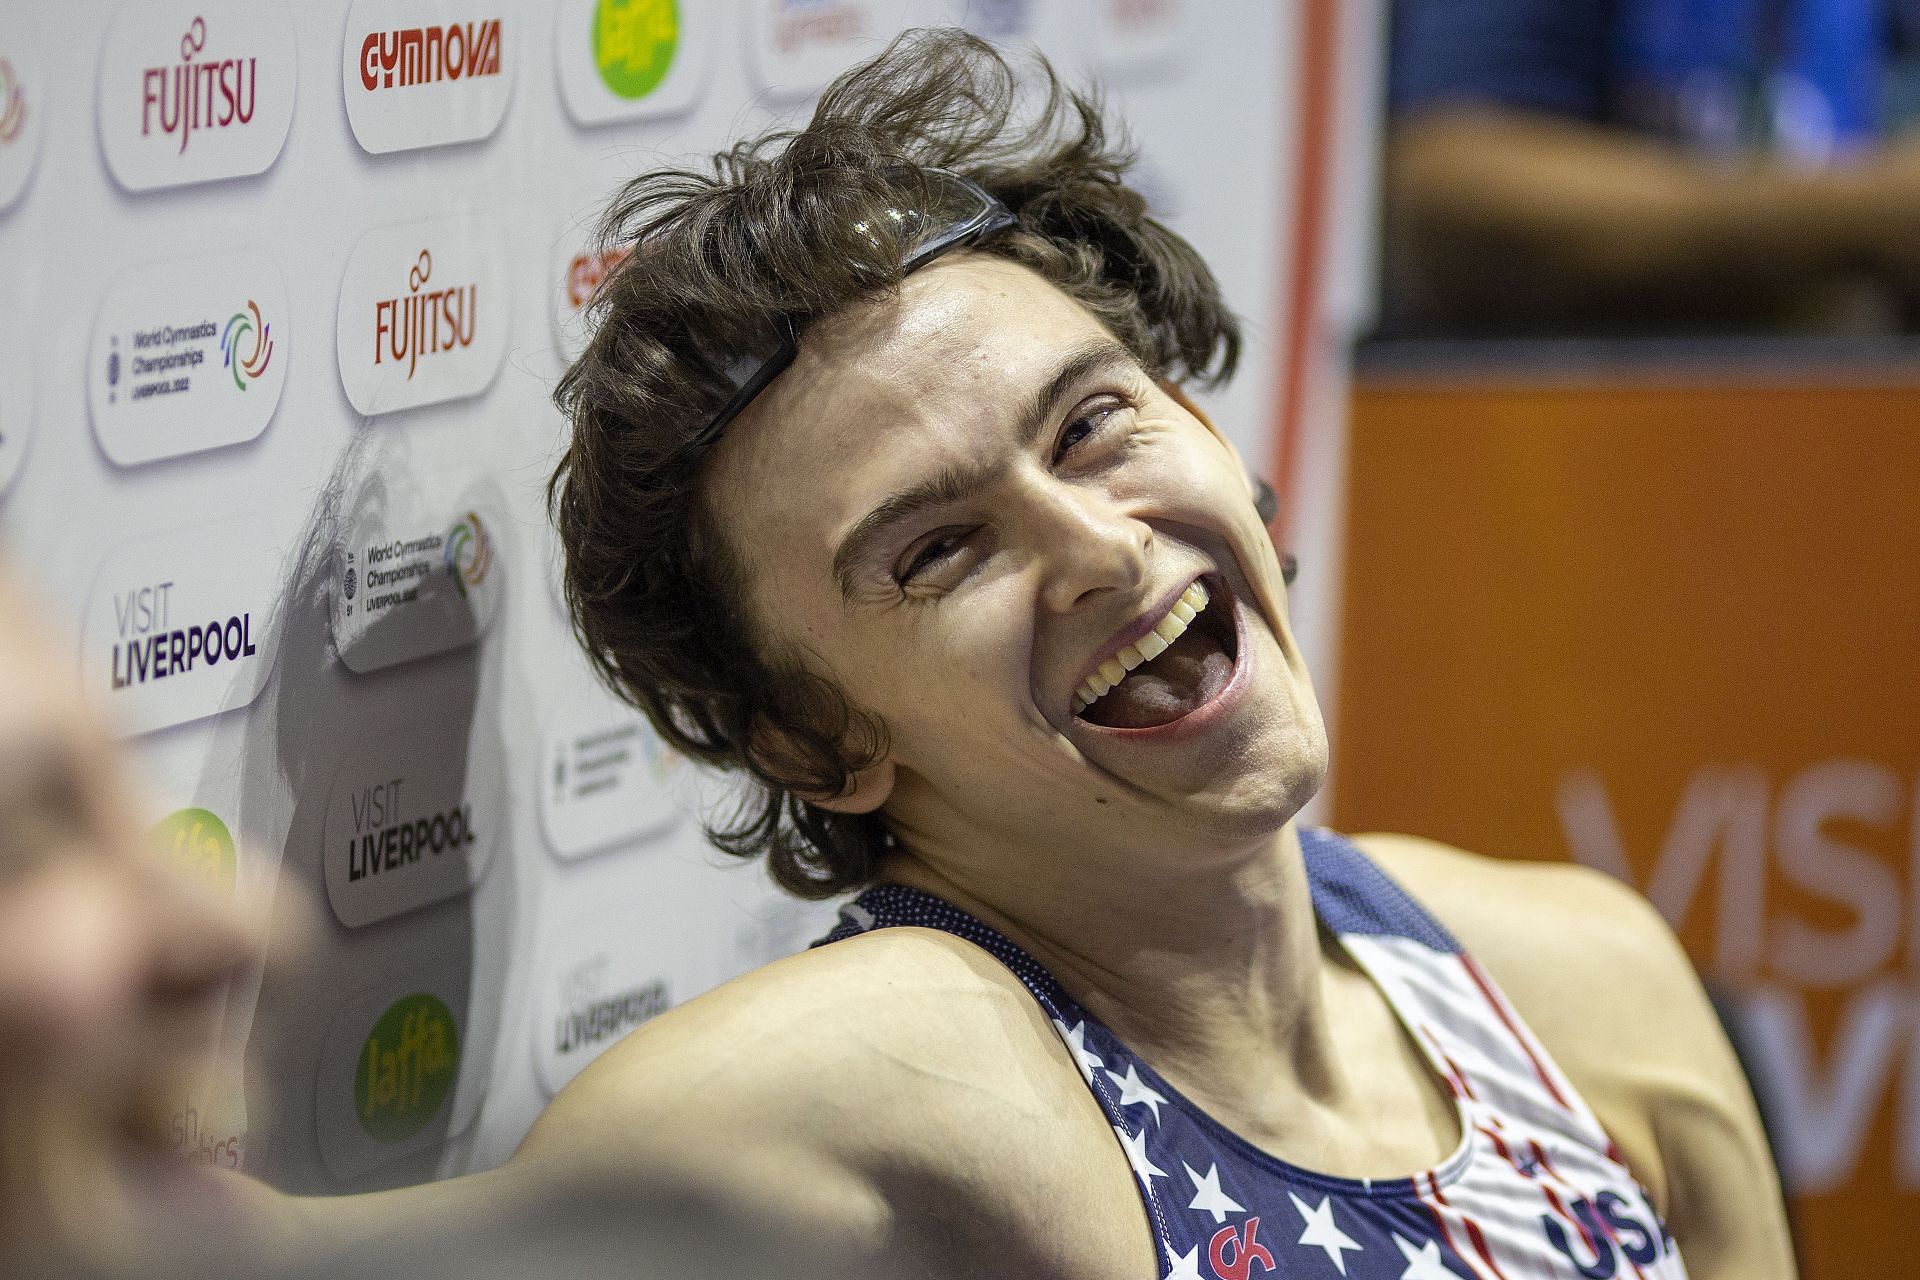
pixel 1674 630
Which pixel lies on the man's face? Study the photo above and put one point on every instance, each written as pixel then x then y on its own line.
pixel 1064 502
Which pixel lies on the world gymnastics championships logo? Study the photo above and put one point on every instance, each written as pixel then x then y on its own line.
pixel 469 553
pixel 254 362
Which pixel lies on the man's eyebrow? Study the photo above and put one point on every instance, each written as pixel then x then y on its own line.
pixel 953 483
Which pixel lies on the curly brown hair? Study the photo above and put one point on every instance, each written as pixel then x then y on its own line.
pixel 790 225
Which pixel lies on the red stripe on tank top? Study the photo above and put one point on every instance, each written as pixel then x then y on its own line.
pixel 1499 1008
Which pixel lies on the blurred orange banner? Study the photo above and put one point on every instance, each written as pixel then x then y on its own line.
pixel 1669 624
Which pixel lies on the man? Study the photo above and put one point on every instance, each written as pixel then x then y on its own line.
pixel 884 490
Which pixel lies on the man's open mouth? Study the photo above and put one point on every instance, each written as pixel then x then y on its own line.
pixel 1173 670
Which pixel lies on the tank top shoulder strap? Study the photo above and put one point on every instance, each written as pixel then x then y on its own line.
pixel 888 906
pixel 1461 1020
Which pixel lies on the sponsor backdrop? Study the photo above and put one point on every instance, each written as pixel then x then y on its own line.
pixel 1665 625
pixel 284 289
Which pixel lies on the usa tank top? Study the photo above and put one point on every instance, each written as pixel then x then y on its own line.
pixel 1535 1190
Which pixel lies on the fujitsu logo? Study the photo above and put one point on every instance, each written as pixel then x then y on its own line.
pixel 213 94
pixel 424 322
pixel 425 55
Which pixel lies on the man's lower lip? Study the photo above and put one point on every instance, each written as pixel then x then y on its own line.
pixel 1223 702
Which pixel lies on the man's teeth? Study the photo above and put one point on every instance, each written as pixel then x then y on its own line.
pixel 1148 647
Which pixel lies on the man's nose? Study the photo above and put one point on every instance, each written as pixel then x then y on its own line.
pixel 1088 544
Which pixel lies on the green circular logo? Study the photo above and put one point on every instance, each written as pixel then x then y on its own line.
pixel 634 42
pixel 406 1068
pixel 198 844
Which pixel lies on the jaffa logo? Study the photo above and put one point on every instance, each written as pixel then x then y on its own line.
pixel 13 103
pixel 198 844
pixel 469 552
pixel 633 44
pixel 406 1068
pixel 242 325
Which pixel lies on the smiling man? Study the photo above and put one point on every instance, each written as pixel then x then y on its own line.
pixel 884 491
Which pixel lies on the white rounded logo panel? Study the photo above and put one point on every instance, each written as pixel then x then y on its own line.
pixel 412 820
pixel 423 314
pixel 1140 36
pixel 187 356
pixel 195 90
pixel 23 106
pixel 415 583
pixel 426 73
pixel 177 625
pixel 632 59
pixel 607 780
pixel 619 962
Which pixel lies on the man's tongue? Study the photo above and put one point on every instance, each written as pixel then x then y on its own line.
pixel 1187 675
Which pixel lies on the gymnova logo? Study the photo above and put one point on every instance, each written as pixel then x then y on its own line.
pixel 410 586
pixel 197 844
pixel 20 107
pixel 419 74
pixel 407 1067
pixel 411 820
pixel 188 355
pixel 195 91
pixel 469 553
pixel 423 314
pixel 631 59
pixel 177 624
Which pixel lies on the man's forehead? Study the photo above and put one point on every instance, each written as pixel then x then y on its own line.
pixel 966 338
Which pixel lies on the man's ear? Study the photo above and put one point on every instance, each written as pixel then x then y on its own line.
pixel 868 790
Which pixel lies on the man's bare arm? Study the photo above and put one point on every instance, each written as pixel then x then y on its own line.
pixel 1512 219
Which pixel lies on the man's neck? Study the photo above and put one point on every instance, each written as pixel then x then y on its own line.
pixel 1215 977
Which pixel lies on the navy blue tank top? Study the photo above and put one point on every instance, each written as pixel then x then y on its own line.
pixel 1534 1191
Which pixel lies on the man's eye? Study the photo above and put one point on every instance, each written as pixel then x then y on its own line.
pixel 1086 424
pixel 931 554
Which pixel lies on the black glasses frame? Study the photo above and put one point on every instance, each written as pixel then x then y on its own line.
pixel 752 372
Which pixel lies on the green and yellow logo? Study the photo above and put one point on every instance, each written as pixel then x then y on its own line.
pixel 407 1068
pixel 198 844
pixel 634 42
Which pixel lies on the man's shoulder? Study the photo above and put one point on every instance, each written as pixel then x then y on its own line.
pixel 1511 914
pixel 835 1041
pixel 899 1088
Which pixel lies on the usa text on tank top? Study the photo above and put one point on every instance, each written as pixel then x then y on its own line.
pixel 1534 1191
